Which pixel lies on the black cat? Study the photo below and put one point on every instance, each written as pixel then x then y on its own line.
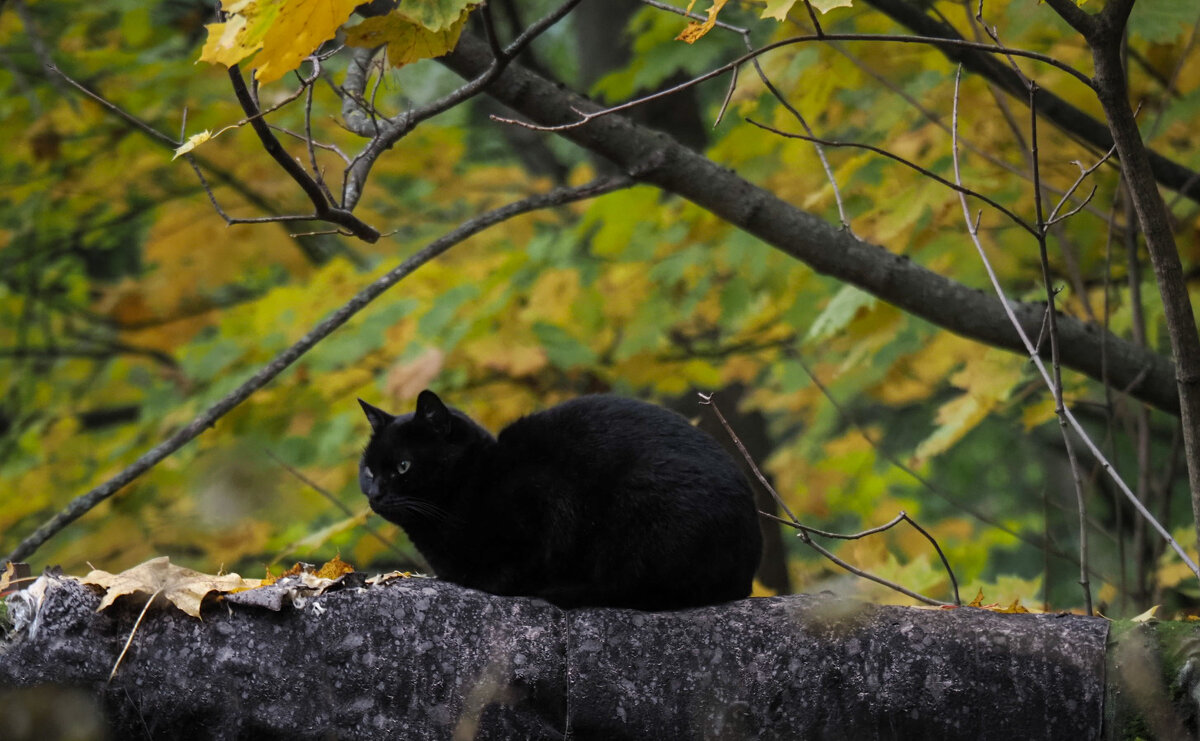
pixel 601 501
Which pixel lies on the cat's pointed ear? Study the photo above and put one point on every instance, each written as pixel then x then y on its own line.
pixel 431 409
pixel 376 416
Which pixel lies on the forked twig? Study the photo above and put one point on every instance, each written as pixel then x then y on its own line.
pixel 804 532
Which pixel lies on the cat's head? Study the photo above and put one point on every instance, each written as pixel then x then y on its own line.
pixel 415 463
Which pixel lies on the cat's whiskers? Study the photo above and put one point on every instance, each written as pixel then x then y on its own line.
pixel 425 508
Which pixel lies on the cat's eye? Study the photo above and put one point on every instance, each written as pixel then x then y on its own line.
pixel 403 466
pixel 368 473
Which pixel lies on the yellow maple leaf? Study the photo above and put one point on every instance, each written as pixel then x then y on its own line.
pixel 184 588
pixel 241 35
pixel 282 33
pixel 696 29
pixel 407 41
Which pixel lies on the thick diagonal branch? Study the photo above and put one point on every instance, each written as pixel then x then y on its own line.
pixel 656 159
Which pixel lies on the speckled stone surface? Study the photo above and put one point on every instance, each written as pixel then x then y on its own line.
pixel 811 667
pixel 422 659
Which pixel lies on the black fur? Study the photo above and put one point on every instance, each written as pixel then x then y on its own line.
pixel 601 501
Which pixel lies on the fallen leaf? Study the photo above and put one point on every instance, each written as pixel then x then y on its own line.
pixel 182 587
pixel 389 576
pixel 334 568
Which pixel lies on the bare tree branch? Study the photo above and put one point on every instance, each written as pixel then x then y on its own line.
pixel 658 160
pixel 324 210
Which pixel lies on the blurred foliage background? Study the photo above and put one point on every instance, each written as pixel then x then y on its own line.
pixel 127 306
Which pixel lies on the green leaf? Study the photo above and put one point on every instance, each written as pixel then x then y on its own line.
pixel 437 320
pixel 840 311
pixel 435 15
pixel 562 349
pixel 1162 21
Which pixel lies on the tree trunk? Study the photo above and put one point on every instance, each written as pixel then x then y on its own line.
pixel 420 658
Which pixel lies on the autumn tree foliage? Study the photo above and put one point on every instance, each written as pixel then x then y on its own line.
pixel 220 226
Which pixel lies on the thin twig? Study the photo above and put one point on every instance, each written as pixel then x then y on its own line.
pixel 907 163
pixel 132 633
pixel 1006 304
pixel 319 145
pixel 587 116
pixel 803 531
pixel 1052 330
pixel 901 517
pixel 707 400
pixel 334 501
pixel 85 502
pixel 308 88
pixel 394 129
pixel 1083 173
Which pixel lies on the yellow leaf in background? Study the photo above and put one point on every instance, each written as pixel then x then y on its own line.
pixel 320 537
pixel 282 32
pixel 407 41
pixel 1173 574
pixel 987 379
pixel 759 590
pixel 915 377
pixel 552 296
pixel 978 601
pixel 1038 413
pixel 184 588
pixel 955 419
pixel 193 141
pixel 696 30
pixel 515 358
